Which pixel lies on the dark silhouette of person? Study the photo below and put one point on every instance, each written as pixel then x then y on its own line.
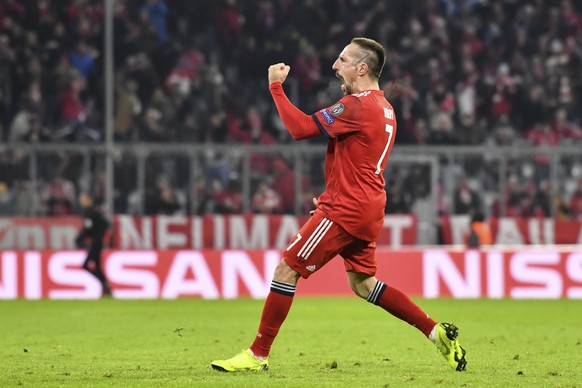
pixel 90 237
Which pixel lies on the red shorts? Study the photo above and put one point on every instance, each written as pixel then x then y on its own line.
pixel 320 240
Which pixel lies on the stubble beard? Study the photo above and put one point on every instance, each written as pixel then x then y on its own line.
pixel 346 89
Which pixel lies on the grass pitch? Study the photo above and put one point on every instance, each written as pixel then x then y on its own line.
pixel 324 342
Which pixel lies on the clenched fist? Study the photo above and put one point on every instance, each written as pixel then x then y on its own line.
pixel 278 72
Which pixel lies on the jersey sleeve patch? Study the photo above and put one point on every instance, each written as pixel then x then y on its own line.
pixel 337 109
pixel 327 116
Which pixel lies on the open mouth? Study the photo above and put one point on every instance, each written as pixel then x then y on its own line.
pixel 343 85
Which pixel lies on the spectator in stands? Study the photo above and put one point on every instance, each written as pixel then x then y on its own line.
pixel 82 58
pixel 466 200
pixel 58 197
pixel 128 107
pixel 151 127
pixel 542 135
pixel 73 114
pixel 266 200
pixel 479 232
pixel 533 110
pixel 251 129
pixel 190 130
pixel 156 12
pixel 566 130
pixel 504 89
pixel 441 132
pixel 7 64
pixel 284 184
pixel 198 200
pixel 187 69
pixel 542 200
pixel 399 201
pixel 162 199
pixel 466 97
pixel 307 67
pixel 125 181
pixel 504 133
pixel 417 182
pixel 22 125
pixel 441 103
pixel 226 199
pixel 229 21
pixel 412 124
pixel 527 206
pixel 576 202
pixel 5 199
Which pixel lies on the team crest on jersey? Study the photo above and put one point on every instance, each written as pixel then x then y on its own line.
pixel 337 109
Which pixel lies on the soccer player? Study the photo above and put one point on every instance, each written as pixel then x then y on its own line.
pixel 361 128
pixel 95 228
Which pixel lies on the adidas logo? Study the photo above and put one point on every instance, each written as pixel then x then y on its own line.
pixel 310 268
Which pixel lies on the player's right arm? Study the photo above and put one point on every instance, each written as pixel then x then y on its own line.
pixel 299 125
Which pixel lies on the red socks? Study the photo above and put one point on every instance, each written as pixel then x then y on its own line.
pixel 279 300
pixel 277 305
pixel 401 306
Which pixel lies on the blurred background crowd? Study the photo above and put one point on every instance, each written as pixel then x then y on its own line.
pixel 474 72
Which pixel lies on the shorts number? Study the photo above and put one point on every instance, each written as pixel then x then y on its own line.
pixel 388 114
pixel 295 242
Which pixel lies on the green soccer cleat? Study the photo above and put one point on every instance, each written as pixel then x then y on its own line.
pixel 449 347
pixel 241 362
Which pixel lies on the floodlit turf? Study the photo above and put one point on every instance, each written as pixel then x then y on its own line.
pixel 325 342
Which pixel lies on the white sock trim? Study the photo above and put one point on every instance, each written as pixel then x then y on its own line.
pixel 433 334
pixel 257 357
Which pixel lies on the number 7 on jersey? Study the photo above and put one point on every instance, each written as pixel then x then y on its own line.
pixel 388 114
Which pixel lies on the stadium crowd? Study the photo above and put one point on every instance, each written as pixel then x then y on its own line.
pixel 458 73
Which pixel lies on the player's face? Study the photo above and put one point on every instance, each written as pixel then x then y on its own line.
pixel 345 67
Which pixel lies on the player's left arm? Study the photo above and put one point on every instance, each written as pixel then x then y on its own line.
pixel 341 118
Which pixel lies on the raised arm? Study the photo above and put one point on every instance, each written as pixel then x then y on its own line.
pixel 299 125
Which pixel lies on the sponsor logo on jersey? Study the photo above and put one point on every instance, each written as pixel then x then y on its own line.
pixel 327 116
pixel 337 109
pixel 310 268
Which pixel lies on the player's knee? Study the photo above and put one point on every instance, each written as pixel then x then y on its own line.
pixel 285 274
pixel 356 290
pixel 361 286
pixel 359 289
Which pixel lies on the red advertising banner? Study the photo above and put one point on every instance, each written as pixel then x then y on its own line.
pixel 210 274
pixel 184 232
pixel 235 231
pixel 39 233
pixel 516 231
pixel 264 231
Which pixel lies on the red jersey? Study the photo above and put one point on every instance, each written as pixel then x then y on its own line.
pixel 362 129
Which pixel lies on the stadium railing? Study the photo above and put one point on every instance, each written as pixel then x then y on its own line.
pixel 428 177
